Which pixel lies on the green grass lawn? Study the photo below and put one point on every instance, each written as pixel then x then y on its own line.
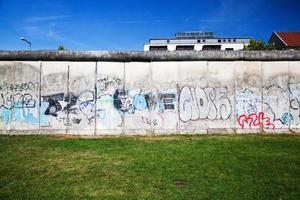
pixel 166 167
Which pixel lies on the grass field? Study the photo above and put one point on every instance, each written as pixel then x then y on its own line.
pixel 166 167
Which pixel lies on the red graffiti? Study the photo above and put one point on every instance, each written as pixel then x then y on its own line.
pixel 255 120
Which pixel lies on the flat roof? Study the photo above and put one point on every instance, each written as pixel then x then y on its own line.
pixel 200 38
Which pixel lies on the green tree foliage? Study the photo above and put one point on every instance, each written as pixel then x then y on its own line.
pixel 270 46
pixel 258 45
pixel 61 47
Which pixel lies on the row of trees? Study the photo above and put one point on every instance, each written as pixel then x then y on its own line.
pixel 258 45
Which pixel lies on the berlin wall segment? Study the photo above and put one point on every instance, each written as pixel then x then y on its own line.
pixel 69 100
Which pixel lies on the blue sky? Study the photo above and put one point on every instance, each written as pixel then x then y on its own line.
pixel 128 24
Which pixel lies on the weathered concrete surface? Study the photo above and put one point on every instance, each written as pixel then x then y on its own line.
pixel 140 56
pixel 164 114
pixel 294 95
pixel 195 96
pixel 19 96
pixel 109 115
pixel 248 94
pixel 54 86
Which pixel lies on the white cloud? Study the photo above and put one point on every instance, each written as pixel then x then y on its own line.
pixel 47 18
pixel 134 21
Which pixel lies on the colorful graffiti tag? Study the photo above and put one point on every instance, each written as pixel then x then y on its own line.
pixel 255 120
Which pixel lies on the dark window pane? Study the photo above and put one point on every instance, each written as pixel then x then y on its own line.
pixel 184 47
pixel 158 48
pixel 211 47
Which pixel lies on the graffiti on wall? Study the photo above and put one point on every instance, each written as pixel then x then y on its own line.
pixel 197 103
pixel 18 95
pixel 294 90
pixel 149 121
pixel 247 102
pixel 18 102
pixel 115 103
pixel 276 102
pixel 255 120
pixel 271 106
pixel 70 108
pixel 169 101
pixel 107 83
pixel 26 86
pixel 129 103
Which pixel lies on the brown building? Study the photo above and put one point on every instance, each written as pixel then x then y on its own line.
pixel 285 40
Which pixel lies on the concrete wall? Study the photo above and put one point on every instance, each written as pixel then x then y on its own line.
pixel 100 97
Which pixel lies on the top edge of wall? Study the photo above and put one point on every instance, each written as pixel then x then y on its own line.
pixel 150 56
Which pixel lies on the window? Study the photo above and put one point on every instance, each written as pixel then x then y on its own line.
pixel 219 41
pixel 158 48
pixel 203 40
pixel 229 49
pixel 224 40
pixel 185 48
pixel 211 47
pixel 198 41
pixel 234 40
pixel 229 40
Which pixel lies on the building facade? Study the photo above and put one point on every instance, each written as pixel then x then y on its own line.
pixel 196 41
pixel 285 40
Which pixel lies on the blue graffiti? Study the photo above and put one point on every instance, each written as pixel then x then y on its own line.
pixel 286 118
pixel 139 102
pixel 5 116
pixel 24 115
pixel 44 119
pixel 19 115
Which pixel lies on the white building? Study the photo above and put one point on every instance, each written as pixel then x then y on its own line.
pixel 196 41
